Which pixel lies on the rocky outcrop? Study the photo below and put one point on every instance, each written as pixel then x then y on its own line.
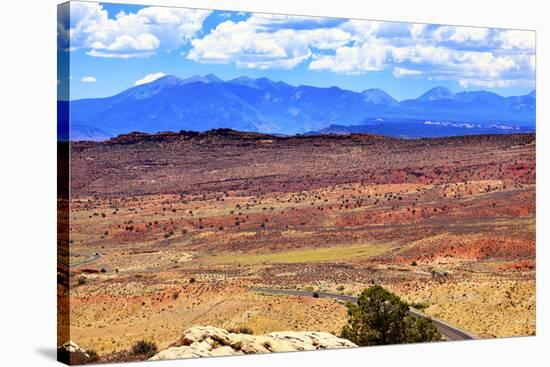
pixel 70 353
pixel 207 341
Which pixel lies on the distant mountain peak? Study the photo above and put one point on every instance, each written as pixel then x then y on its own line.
pixel 166 80
pixel 212 78
pixel 244 80
pixel 437 93
pixel 378 96
pixel 147 90
pixel 208 78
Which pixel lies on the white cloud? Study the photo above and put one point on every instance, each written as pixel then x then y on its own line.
pixel 468 55
pixel 463 54
pixel 421 54
pixel 485 64
pixel 353 60
pixel 132 34
pixel 265 41
pixel 401 72
pixel 88 79
pixel 460 34
pixel 149 78
pixel 363 30
pixel 467 83
pixel 513 39
pixel 417 30
pixel 119 55
pixel 141 42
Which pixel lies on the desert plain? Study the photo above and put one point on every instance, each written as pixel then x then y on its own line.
pixel 173 230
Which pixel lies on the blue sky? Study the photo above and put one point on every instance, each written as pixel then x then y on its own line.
pixel 113 46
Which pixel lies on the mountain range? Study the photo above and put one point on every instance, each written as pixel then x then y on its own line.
pixel 202 103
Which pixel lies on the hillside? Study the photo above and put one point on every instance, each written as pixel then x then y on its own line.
pixel 221 160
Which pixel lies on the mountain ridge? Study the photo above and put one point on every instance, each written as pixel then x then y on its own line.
pixel 203 103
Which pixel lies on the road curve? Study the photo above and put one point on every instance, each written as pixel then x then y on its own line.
pixel 449 332
pixel 90 259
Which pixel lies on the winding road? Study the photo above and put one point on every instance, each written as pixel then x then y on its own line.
pixel 88 260
pixel 449 332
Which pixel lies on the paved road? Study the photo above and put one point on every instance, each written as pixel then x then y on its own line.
pixel 90 259
pixel 449 332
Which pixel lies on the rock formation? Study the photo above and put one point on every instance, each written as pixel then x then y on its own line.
pixel 206 341
pixel 71 353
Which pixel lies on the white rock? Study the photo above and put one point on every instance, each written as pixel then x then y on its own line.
pixel 72 347
pixel 206 341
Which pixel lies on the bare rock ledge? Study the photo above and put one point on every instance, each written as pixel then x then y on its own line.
pixel 207 341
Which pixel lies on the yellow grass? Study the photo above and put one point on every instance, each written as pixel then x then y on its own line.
pixel 326 254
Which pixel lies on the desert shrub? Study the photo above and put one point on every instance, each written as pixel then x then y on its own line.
pixel 192 280
pixel 241 330
pixel 419 305
pixel 414 263
pixel 94 357
pixel 103 270
pixel 381 317
pixel 315 295
pixel 144 347
pixel 81 281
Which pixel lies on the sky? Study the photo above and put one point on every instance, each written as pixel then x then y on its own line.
pixel 113 47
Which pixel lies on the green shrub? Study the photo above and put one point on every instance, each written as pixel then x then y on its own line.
pixel 419 306
pixel 144 347
pixel 421 329
pixel 381 317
